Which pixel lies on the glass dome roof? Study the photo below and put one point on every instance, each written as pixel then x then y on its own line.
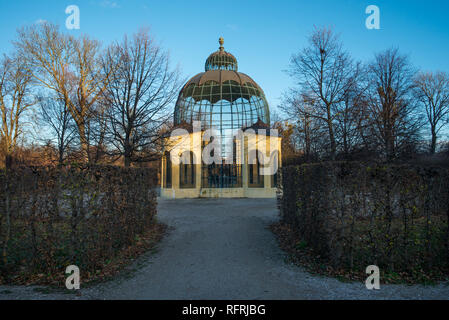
pixel 221 97
pixel 221 60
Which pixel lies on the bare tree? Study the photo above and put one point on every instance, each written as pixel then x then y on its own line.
pixel 55 115
pixel 325 73
pixel 68 66
pixel 310 136
pixel 15 100
pixel 286 132
pixel 142 86
pixel 432 90
pixel 97 130
pixel 351 113
pixel 393 116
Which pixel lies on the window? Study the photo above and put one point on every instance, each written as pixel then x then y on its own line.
pixel 222 175
pixel 168 168
pixel 275 176
pixel 255 179
pixel 187 170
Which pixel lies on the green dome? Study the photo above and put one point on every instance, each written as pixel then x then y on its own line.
pixel 222 98
pixel 221 60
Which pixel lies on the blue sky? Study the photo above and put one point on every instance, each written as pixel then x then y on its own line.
pixel 261 34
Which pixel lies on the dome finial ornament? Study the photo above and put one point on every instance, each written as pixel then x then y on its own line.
pixel 221 41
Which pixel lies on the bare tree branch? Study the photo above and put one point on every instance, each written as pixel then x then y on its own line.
pixel 141 88
pixel 432 90
pixel 14 102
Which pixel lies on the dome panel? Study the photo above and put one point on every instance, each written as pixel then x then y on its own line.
pixel 221 60
pixel 222 98
pixel 222 76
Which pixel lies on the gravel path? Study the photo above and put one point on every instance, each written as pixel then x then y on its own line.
pixel 223 249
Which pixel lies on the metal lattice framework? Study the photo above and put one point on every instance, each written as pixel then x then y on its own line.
pixel 221 60
pixel 222 98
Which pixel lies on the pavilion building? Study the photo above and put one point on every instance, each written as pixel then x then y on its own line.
pixel 247 154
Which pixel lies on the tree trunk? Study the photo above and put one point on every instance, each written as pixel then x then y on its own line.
pixel 389 144
pixel 127 161
pixel 8 161
pixel 61 156
pixel 308 148
pixel 433 144
pixel 84 143
pixel 127 151
pixel 332 141
pixel 331 133
pixel 345 143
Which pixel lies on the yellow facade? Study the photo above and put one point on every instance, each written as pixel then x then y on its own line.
pixel 192 142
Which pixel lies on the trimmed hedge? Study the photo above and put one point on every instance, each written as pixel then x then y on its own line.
pixel 51 218
pixel 353 215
